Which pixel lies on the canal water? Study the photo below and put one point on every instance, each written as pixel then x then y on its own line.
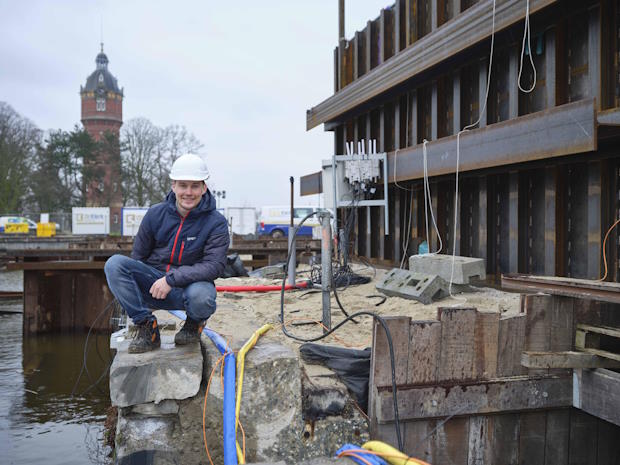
pixel 40 420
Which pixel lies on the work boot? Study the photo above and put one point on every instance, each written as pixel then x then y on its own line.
pixel 189 333
pixel 146 337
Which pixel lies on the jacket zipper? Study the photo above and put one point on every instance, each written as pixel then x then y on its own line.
pixel 174 245
pixel 181 251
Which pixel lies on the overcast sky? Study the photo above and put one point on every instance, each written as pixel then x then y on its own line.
pixel 238 74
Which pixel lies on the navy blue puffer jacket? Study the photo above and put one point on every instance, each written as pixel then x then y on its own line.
pixel 188 249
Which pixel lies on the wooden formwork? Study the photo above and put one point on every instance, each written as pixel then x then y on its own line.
pixel 465 398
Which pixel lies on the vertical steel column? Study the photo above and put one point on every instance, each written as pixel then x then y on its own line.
pixel 326 267
pixel 434 15
pixel 382 40
pixel 513 89
pixel 482 88
pixel 594 53
pixel 434 122
pixel 481 242
pixel 456 102
pixel 513 218
pixel 397 44
pixel 381 148
pixel 594 220
pixel 413 119
pixel 550 66
pixel 550 220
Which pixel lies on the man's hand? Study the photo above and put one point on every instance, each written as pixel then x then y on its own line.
pixel 160 289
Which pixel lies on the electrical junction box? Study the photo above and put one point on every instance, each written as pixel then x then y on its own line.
pixel 362 170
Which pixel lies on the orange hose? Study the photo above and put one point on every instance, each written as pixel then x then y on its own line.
pixel 604 242
pixel 204 408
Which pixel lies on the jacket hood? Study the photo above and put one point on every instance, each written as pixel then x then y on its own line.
pixel 207 202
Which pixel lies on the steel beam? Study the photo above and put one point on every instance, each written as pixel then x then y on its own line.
pixel 563 130
pixel 467 29
pixel 568 287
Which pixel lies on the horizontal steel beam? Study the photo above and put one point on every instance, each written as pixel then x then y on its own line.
pixel 568 287
pixel 467 29
pixel 564 130
pixel 311 184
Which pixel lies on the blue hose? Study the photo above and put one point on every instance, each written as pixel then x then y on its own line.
pixel 230 448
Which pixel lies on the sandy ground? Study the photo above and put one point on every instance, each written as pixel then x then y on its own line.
pixel 239 314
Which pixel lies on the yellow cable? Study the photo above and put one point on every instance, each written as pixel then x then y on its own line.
pixel 240 367
pixel 391 454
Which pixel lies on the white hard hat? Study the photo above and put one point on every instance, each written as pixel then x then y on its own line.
pixel 189 167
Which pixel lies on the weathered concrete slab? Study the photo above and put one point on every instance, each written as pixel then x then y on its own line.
pixel 465 268
pixel 136 433
pixel 272 415
pixel 419 286
pixel 165 407
pixel 167 373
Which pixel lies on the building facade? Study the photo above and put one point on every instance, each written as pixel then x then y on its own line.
pixel 102 117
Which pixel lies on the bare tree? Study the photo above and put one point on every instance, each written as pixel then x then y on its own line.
pixel 147 153
pixel 19 138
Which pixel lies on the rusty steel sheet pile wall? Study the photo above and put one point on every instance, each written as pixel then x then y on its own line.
pixel 465 398
pixel 539 184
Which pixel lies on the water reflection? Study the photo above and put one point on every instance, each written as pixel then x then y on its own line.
pixel 40 422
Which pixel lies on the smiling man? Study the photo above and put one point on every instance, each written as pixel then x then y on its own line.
pixel 179 251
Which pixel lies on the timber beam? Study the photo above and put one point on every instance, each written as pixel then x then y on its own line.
pixel 516 393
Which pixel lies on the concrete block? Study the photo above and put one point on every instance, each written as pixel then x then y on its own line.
pixel 167 373
pixel 136 433
pixel 422 287
pixel 165 407
pixel 465 268
pixel 269 272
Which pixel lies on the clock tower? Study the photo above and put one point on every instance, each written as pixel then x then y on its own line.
pixel 102 117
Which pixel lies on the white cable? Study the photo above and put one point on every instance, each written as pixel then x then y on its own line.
pixel 526 33
pixel 406 244
pixel 458 148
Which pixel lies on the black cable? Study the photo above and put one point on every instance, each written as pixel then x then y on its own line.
pixel 348 318
pixel 85 352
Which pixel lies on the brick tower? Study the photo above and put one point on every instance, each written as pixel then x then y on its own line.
pixel 102 113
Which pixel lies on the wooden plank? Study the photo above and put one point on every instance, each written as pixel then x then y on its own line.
pixel 582 442
pixel 424 351
pixel 566 359
pixel 480 440
pixel 518 393
pixel 606 330
pixel 511 341
pixel 597 392
pixel 608 451
pixel 457 359
pixel 532 438
pixel 537 325
pixel 556 437
pixel 486 340
pixel 450 443
pixel 562 324
pixel 505 446
pixel 602 353
pixel 418 439
pixel 399 331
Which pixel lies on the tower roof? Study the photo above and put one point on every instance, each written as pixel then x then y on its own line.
pixel 101 78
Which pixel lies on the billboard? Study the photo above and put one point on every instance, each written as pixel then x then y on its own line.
pixel 130 220
pixel 90 220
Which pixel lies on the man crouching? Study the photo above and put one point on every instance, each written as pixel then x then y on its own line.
pixel 179 251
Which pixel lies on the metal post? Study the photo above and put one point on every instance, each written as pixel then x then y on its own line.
pixel 326 267
pixel 340 19
pixel 292 263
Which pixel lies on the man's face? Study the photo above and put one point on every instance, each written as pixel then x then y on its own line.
pixel 188 193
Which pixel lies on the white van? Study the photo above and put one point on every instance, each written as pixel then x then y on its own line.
pixel 274 221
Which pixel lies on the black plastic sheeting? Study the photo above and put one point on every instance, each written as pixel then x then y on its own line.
pixel 351 365
pixel 234 267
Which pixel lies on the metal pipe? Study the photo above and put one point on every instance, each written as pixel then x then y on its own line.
pixel 292 264
pixel 340 19
pixel 326 267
